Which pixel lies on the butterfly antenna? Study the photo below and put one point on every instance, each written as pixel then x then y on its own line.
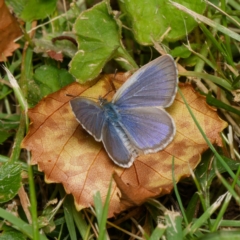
pixel 111 81
pixel 70 95
pixel 74 96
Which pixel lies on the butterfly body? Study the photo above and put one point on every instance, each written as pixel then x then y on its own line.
pixel 110 110
pixel 134 122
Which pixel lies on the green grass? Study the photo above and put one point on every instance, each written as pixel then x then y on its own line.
pixel 202 206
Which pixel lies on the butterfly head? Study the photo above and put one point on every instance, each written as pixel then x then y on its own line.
pixel 102 101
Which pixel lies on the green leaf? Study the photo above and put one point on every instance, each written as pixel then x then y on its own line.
pixel 68 207
pixel 236 82
pixel 183 51
pixel 46 220
pixel 10 180
pixel 150 21
pixel 51 79
pixel 222 235
pixel 206 172
pixel 157 232
pixel 18 223
pixel 220 81
pixel 38 9
pixel 98 206
pixel 17 5
pixel 208 21
pixel 99 39
pixel 8 124
pixel 174 225
pixel 4 92
pixel 4 135
pixel 48 79
pixel 80 222
pixel 191 207
pixel 11 234
pixel 102 211
pixel 74 220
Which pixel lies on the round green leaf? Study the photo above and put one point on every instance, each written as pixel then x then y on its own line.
pixel 9 233
pixel 38 9
pixel 99 39
pixel 50 79
pixel 150 21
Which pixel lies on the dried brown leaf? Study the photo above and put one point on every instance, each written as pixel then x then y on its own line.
pixel 9 30
pixel 67 154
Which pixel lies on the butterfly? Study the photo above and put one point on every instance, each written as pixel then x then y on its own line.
pixel 135 121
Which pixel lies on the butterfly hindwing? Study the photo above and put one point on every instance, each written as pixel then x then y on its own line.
pixel 149 129
pixel 117 145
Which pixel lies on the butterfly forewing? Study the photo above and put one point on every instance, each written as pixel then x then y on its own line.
pixel 155 84
pixel 90 115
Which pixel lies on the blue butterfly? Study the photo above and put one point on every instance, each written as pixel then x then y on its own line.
pixel 134 122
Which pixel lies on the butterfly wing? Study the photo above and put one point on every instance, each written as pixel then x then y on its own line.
pixel 117 145
pixel 90 115
pixel 155 84
pixel 149 129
